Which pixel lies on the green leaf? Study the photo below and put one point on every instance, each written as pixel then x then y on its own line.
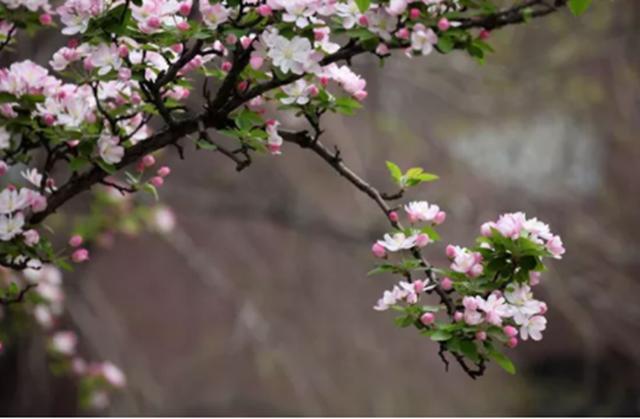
pixel 432 309
pixel 446 44
pixel 404 321
pixel 247 119
pixel 346 105
pixel 501 360
pixel 470 350
pixel 578 7
pixel 440 336
pixel 152 190
pixel 77 163
pixel 433 234
pixel 7 97
pixel 394 170
pixel 363 5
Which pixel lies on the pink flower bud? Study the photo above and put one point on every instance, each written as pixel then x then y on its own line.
pixel 446 284
pixel 451 251
pixel 458 316
pixel 481 335
pixel 80 255
pixel 45 19
pixel 148 160
pixel 226 66
pixel 177 48
pixel 3 168
pixel 136 99
pixel 231 39
pixel 360 95
pixel 157 181
pixel 246 41
pixel 38 202
pixel 154 22
pixel 73 43
pixel 185 8
pixel 164 171
pixel 264 10
pixel 512 342
pixel 363 20
pixel 382 49
pixel 87 64
pixel 243 85
pixel 393 216
pixel 256 61
pixel 427 318
pixel 274 149
pixel 543 308
pixel 418 286
pixel 324 81
pixel 183 26
pixel 49 119
pixel 440 217
pixel 534 278
pixel 31 237
pixel 123 51
pixel 414 14
pixel 403 33
pixel 378 250
pixel 76 240
pixel 484 34
pixel 73 143
pixel 313 90
pixel 510 331
pixel 444 24
pixel 422 240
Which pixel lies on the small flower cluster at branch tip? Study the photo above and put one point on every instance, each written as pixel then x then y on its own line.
pixel 484 298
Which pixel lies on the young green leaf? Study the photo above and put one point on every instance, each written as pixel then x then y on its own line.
pixel 501 360
pixel 578 7
pixel 363 5
pixel 394 170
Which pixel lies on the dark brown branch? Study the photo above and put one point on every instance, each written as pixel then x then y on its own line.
pixel 241 163
pixel 7 301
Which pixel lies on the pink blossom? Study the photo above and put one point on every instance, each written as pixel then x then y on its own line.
pixel 427 318
pixel 444 24
pixel 510 331
pixel 76 240
pixel 164 171
pixel 157 181
pixel 80 255
pixel 31 237
pixel 446 284
pixel 556 247
pixel 378 250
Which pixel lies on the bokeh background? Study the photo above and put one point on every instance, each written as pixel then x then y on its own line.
pixel 259 303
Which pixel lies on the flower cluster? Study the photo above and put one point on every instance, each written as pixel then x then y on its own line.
pixel 86 118
pixel 486 293
pixel 97 379
pixel 46 306
pixel 92 106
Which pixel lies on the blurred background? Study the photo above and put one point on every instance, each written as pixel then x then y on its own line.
pixel 259 304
